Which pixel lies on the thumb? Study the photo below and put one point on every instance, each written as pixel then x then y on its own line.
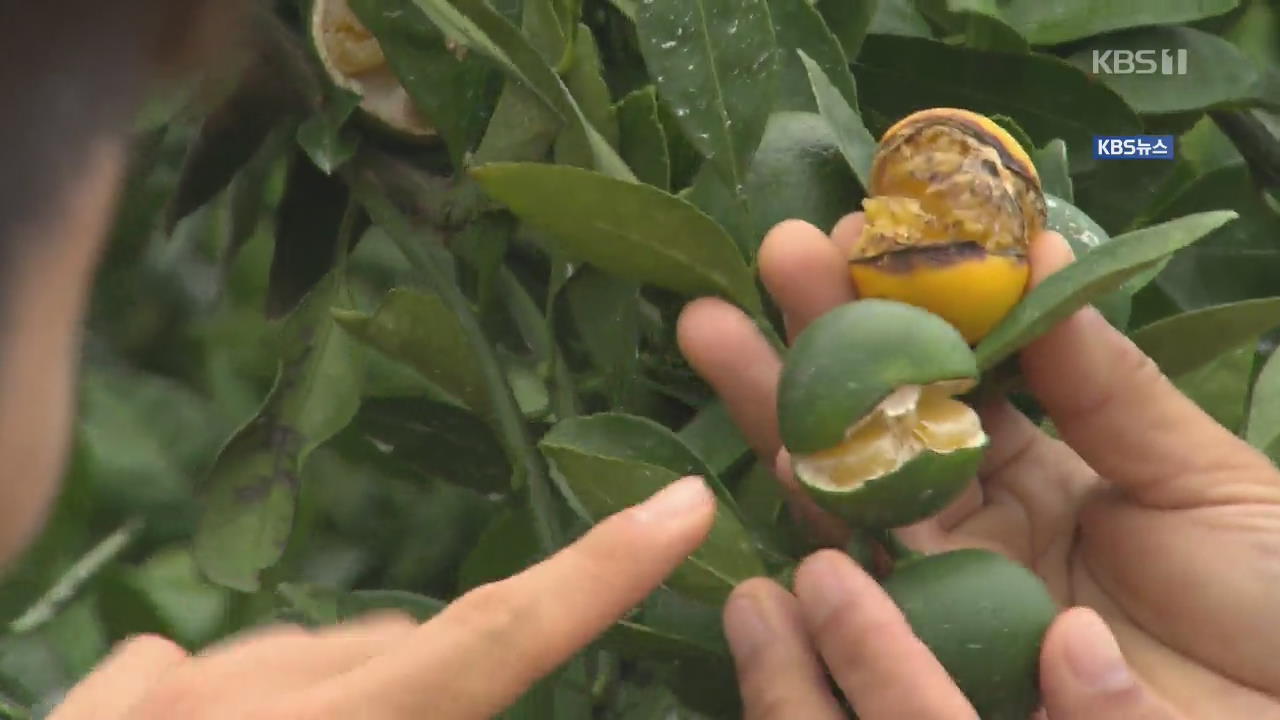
pixel 1083 675
pixel 1113 406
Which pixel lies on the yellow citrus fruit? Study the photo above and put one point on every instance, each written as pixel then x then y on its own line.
pixel 953 203
pixel 354 61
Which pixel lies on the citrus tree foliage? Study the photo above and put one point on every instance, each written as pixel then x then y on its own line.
pixel 335 365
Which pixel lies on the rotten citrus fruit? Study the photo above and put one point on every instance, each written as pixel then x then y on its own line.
pixel 984 617
pixel 866 408
pixel 953 203
pixel 354 61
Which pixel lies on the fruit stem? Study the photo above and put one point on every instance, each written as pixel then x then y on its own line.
pixel 898 550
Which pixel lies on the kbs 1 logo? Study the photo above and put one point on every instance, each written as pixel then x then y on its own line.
pixel 1140 62
pixel 1133 147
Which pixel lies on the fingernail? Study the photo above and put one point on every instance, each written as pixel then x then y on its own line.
pixel 744 624
pixel 1094 657
pixel 684 496
pixel 826 582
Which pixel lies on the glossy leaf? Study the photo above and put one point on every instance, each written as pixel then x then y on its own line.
pixel 322 606
pixel 309 231
pixel 1263 430
pixel 486 31
pixel 849 21
pixel 714 62
pixel 1217 73
pixel 325 137
pixel 1051 164
pixel 453 92
pixel 1221 386
pixel 1047 97
pixel 424 440
pixel 1050 23
pixel 714 436
pixel 1237 262
pixel 585 80
pixel 249 494
pixel 609 462
pixel 523 128
pixel 418 330
pixel 628 229
pixel 508 545
pixel 855 142
pixel 1100 271
pixel 798 26
pixel 642 140
pixel 1183 343
pixel 898 17
pixel 606 313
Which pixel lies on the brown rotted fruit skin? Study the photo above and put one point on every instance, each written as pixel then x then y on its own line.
pixel 954 204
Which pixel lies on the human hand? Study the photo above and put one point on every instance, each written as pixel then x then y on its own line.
pixel 470 661
pixel 1150 513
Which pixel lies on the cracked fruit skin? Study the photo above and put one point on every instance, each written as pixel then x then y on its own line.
pixel 984 617
pixel 353 60
pixel 865 408
pixel 954 202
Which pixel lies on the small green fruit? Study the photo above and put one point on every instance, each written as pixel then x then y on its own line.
pixel 865 407
pixel 984 617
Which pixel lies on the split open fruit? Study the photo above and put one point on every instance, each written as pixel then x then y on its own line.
pixel 354 61
pixel 866 408
pixel 954 202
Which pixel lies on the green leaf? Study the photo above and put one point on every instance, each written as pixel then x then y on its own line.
pixel 418 330
pixel 711 195
pixel 1217 73
pixel 1051 164
pixel 523 128
pixel 309 234
pixel 714 62
pixel 1183 343
pixel 1084 235
pixel 486 31
pixel 980 22
pixel 425 440
pixel 321 606
pixel 628 229
pixel 798 26
pixel 454 93
pixel 1237 262
pixel 586 82
pixel 1263 429
pixel 607 315
pixel 508 545
pixel 714 436
pixel 898 17
pixel 855 142
pixel 249 494
pixel 1051 23
pixel 1221 386
pixel 1100 271
pixel 610 462
pixel 1048 97
pixel 642 140
pixel 324 136
pixel 849 20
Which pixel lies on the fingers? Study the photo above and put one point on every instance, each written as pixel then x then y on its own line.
pixel 509 634
pixel 1115 408
pixel 1083 675
pixel 805 272
pixel 726 349
pixel 883 668
pixel 778 671
pixel 121 680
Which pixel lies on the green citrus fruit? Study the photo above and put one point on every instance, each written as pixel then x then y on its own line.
pixel 798 172
pixel 984 617
pixel 865 408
